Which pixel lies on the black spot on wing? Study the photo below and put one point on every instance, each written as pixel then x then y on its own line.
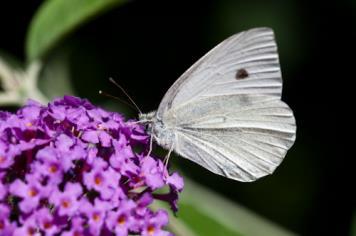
pixel 241 74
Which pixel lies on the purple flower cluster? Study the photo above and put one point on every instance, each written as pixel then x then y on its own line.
pixel 71 168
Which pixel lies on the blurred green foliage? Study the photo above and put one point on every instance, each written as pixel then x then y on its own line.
pixel 56 18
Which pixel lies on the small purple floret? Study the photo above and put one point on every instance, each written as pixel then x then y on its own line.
pixel 71 168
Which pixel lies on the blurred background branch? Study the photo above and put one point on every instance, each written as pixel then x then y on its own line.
pixel 18 85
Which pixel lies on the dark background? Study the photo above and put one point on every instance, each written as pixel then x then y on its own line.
pixel 146 45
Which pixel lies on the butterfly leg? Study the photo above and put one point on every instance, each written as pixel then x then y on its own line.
pixel 166 159
pixel 151 144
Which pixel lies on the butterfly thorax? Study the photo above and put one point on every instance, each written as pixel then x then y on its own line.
pixel 162 134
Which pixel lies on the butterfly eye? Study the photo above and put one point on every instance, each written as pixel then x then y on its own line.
pixel 241 74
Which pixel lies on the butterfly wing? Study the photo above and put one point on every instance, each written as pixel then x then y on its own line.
pixel 225 111
pixel 253 52
pixel 242 137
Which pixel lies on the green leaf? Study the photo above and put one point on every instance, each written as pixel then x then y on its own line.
pixel 233 217
pixel 229 217
pixel 203 212
pixel 203 223
pixel 55 78
pixel 57 18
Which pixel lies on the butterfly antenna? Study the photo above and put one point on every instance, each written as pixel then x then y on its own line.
pixel 127 95
pixel 117 98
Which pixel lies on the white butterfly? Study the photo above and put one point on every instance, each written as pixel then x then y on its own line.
pixel 225 112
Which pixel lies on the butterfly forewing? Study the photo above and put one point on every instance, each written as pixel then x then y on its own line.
pixel 245 63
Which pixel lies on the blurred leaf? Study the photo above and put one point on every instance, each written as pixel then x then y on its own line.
pixel 203 223
pixel 203 212
pixel 231 215
pixel 55 79
pixel 56 18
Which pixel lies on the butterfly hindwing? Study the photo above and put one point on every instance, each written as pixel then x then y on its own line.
pixel 240 138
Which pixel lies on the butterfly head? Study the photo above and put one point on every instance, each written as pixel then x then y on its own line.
pixel 147 118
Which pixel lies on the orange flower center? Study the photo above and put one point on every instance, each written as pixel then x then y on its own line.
pixel 32 192
pixel 28 124
pixel 98 180
pixel 96 217
pixel 101 127
pixel 53 168
pixel 77 233
pixel 121 220
pixel 31 231
pixel 151 229
pixel 47 225
pixel 65 203
pixel 2 159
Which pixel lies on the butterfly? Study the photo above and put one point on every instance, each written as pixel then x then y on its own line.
pixel 225 112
